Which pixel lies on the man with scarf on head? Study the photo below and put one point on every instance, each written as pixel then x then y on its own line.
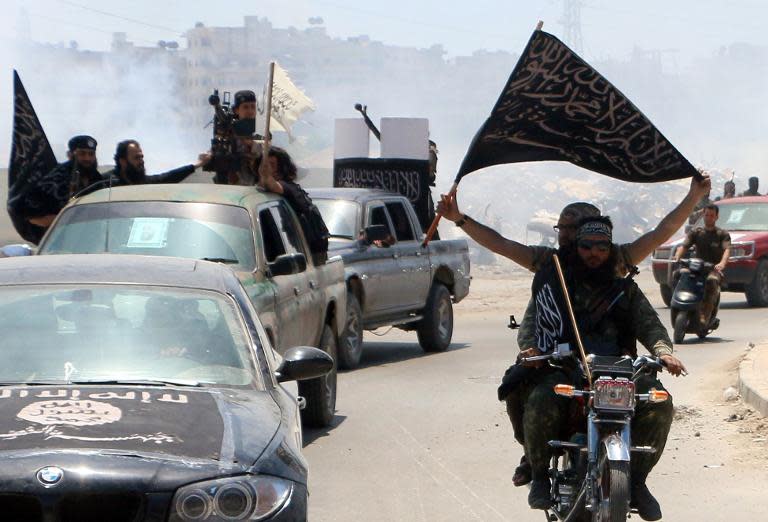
pixel 42 199
pixel 129 167
pixel 534 257
pixel 612 314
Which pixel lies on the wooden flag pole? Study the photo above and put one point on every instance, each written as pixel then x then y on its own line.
pixel 265 152
pixel 576 333
pixel 433 227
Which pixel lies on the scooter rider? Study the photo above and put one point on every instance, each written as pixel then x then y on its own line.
pixel 612 314
pixel 713 245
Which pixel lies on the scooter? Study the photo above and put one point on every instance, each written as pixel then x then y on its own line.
pixel 687 299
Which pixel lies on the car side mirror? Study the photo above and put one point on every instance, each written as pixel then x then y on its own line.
pixel 375 233
pixel 16 251
pixel 303 362
pixel 287 264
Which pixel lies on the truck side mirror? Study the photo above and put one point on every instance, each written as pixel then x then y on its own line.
pixel 287 264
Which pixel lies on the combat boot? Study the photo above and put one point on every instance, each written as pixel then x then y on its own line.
pixel 646 504
pixel 539 496
pixel 523 472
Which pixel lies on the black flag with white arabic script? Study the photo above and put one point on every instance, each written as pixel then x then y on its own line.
pixel 31 159
pixel 555 106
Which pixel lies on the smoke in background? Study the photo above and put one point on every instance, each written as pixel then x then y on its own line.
pixel 713 112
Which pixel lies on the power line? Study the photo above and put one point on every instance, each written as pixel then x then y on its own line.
pixel 124 18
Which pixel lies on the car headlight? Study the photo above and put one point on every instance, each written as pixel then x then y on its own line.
pixel 742 250
pixel 249 497
pixel 614 394
pixel 662 253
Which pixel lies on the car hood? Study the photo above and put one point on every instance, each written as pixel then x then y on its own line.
pixel 217 425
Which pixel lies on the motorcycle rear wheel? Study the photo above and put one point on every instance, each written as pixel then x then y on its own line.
pixel 681 324
pixel 613 492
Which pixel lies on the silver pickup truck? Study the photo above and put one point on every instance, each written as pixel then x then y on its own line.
pixel 391 279
pixel 253 232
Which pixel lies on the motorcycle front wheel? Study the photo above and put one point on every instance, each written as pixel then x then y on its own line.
pixel 612 492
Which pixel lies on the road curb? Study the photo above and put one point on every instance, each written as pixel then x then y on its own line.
pixel 753 378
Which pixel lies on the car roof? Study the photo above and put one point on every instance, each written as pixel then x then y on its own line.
pixel 743 199
pixel 191 192
pixel 116 269
pixel 351 194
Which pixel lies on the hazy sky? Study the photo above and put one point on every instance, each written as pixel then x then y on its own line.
pixel 609 27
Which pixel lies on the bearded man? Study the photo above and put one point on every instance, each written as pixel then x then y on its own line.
pixel 129 167
pixel 612 314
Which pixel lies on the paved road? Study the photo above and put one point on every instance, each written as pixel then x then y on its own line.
pixel 422 437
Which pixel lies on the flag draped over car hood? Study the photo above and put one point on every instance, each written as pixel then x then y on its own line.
pixel 31 159
pixel 555 106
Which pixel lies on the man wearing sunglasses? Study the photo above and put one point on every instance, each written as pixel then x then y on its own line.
pixel 612 315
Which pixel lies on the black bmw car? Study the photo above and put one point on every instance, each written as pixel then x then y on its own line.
pixel 139 388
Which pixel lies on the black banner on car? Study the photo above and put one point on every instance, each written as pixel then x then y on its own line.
pixel 174 422
pixel 408 177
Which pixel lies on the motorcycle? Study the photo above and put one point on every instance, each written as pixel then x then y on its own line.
pixel 590 473
pixel 687 298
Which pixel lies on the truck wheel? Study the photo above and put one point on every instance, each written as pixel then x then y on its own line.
pixel 681 323
pixel 351 341
pixel 320 393
pixel 436 329
pixel 757 291
pixel 666 294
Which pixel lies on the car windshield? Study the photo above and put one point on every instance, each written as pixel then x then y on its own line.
pixel 741 216
pixel 340 217
pixel 122 333
pixel 160 228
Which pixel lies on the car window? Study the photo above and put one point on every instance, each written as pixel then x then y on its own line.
pixel 378 216
pixel 340 217
pixel 123 333
pixel 288 229
pixel 270 235
pixel 403 228
pixel 160 228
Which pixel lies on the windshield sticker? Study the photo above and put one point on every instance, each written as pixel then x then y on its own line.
pixel 148 233
pixel 736 215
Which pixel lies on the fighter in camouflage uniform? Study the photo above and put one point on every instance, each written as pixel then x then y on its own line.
pixel 612 314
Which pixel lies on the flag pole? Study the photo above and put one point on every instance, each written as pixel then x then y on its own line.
pixel 433 227
pixel 572 316
pixel 265 151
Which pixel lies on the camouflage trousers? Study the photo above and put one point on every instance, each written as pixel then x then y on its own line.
pixel 547 416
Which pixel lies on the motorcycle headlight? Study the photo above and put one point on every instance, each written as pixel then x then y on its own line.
pixel 249 497
pixel 614 394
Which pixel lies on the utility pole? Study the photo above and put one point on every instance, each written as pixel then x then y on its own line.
pixel 572 24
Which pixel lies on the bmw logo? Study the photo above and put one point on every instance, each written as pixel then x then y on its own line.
pixel 50 476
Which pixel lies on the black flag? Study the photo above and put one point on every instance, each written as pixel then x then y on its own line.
pixel 31 159
pixel 555 106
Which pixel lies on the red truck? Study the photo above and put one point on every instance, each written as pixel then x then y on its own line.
pixel 746 219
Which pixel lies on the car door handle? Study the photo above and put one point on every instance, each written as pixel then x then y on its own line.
pixel 395 256
pixel 313 285
pixel 418 254
pixel 295 290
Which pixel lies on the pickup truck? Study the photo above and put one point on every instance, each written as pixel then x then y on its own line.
pixel 746 219
pixel 392 280
pixel 254 232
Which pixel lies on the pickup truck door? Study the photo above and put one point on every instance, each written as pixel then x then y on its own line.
pixel 288 288
pixel 312 295
pixel 412 259
pixel 380 270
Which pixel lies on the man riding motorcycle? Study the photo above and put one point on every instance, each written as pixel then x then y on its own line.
pixel 612 314
pixel 713 245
